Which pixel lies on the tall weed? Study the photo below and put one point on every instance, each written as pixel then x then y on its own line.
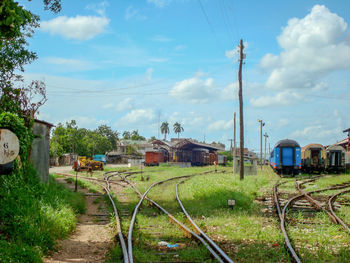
pixel 33 215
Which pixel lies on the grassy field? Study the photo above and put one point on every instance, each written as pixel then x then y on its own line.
pixel 247 233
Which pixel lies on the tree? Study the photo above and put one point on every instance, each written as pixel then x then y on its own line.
pixel 16 25
pixel 135 136
pixel 178 129
pixel 96 143
pixel 53 5
pixel 107 132
pixel 164 129
pixel 126 135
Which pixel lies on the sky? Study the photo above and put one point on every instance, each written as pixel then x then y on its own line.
pixel 134 64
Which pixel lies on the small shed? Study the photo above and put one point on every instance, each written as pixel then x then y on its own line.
pixel 40 152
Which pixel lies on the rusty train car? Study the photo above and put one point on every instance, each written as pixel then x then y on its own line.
pixel 335 161
pixel 154 158
pixel 313 158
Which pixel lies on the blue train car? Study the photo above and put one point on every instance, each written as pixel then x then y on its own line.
pixel 100 158
pixel 285 157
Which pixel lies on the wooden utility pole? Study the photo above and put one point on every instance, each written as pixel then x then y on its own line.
pixel 240 97
pixel 261 125
pixel 231 148
pixel 234 144
pixel 266 136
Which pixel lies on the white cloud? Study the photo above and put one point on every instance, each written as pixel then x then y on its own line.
pixel 138 116
pixel 125 104
pixel 232 54
pixel 159 3
pixel 79 27
pixel 230 92
pixel 133 13
pixel 283 98
pixel 70 64
pixel 313 47
pixel 160 38
pixel 194 90
pixel 220 125
pixel 99 8
pixel 149 73
pixel 316 132
pixel 86 121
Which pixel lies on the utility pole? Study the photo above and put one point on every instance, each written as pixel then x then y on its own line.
pixel 231 148
pixel 261 125
pixel 234 144
pixel 240 97
pixel 158 124
pixel 266 136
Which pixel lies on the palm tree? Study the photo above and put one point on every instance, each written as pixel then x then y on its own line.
pixel 178 129
pixel 164 129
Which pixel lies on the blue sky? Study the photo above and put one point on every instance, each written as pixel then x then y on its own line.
pixel 125 63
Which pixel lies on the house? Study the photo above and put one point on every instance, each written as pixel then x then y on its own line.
pixel 187 151
pixel 121 155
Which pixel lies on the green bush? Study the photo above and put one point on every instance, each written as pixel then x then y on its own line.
pixel 34 215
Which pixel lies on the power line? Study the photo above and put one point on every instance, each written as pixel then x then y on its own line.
pixel 210 25
pixel 226 20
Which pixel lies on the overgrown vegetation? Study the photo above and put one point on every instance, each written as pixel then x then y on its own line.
pixel 249 232
pixel 34 215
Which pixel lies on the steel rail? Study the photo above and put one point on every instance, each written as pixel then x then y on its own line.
pixel 86 178
pixel 331 200
pixel 117 219
pixel 313 201
pixel 185 228
pixel 200 231
pixel 281 215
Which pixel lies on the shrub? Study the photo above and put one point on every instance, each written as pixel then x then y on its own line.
pixel 34 215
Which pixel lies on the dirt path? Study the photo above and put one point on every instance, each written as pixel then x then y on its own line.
pixel 92 238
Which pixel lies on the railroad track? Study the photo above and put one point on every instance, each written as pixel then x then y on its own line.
pixel 215 251
pixel 282 212
pixel 213 245
pixel 331 201
pixel 311 200
pixel 117 219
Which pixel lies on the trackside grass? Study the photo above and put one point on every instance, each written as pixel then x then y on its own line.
pixel 250 232
pixel 33 216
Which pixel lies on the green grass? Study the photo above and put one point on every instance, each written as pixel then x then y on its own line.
pixel 34 215
pixel 316 239
pixel 245 233
pixel 92 187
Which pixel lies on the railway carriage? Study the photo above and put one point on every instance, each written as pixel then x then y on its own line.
pixel 153 158
pixel 313 158
pixel 285 157
pixel 200 156
pixel 335 159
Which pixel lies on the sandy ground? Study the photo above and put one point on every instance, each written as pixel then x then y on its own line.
pixel 92 238
pixel 64 169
